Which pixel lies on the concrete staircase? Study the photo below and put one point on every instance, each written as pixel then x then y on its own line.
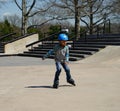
pixel 80 49
pixel 1 48
pixel 3 41
pixel 76 53
pixel 12 45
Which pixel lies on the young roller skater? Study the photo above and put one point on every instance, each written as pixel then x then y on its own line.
pixel 61 52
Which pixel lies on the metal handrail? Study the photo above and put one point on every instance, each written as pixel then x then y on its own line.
pixel 5 36
pixel 20 37
pixel 49 38
pixel 97 29
pixel 108 20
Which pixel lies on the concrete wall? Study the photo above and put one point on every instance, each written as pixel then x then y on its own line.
pixel 19 46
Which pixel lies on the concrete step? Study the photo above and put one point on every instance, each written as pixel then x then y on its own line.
pixel 75 48
pixel 82 52
pixel 99 39
pixel 43 53
pixel 51 57
pixel 39 49
pixel 1 51
pixel 96 40
pixel 76 45
pixel 78 55
pixel 86 48
pixel 35 52
pixel 99 43
pixel 104 36
pixel 89 45
pixel 1 45
pixel 30 54
pixel 1 48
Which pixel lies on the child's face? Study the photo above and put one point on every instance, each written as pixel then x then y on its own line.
pixel 63 43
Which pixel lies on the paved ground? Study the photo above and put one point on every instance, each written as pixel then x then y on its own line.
pixel 26 84
pixel 23 61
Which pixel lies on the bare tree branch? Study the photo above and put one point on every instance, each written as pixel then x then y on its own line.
pixel 46 21
pixel 39 11
pixel 31 7
pixel 17 4
pixel 85 23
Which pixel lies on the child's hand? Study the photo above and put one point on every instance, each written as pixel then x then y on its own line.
pixel 66 62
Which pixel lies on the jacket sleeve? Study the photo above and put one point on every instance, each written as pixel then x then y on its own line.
pixel 67 54
pixel 50 52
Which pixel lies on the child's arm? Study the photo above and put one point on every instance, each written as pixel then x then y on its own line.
pixel 67 55
pixel 50 52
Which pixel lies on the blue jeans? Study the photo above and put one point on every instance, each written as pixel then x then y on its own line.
pixel 58 71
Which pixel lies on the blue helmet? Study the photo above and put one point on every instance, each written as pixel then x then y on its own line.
pixel 63 37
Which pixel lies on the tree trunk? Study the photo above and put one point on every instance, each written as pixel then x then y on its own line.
pixel 24 18
pixel 77 25
pixel 77 20
pixel 91 20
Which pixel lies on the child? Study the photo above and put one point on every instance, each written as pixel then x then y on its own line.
pixel 61 52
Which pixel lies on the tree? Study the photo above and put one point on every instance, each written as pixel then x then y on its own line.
pixel 54 29
pixel 91 12
pixel 29 9
pixel 25 14
pixel 14 20
pixel 94 13
pixel 6 27
pixel 71 9
pixel 115 10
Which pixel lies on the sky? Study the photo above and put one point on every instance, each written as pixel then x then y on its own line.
pixel 8 9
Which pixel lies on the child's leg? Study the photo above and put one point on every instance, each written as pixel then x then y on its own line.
pixel 57 74
pixel 67 70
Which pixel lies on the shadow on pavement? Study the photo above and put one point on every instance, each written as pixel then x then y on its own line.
pixel 39 87
pixel 47 86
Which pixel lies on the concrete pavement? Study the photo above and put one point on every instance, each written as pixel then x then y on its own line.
pixel 23 61
pixel 26 84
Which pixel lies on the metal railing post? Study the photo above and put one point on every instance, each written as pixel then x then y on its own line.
pixel 97 31
pixel 109 26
